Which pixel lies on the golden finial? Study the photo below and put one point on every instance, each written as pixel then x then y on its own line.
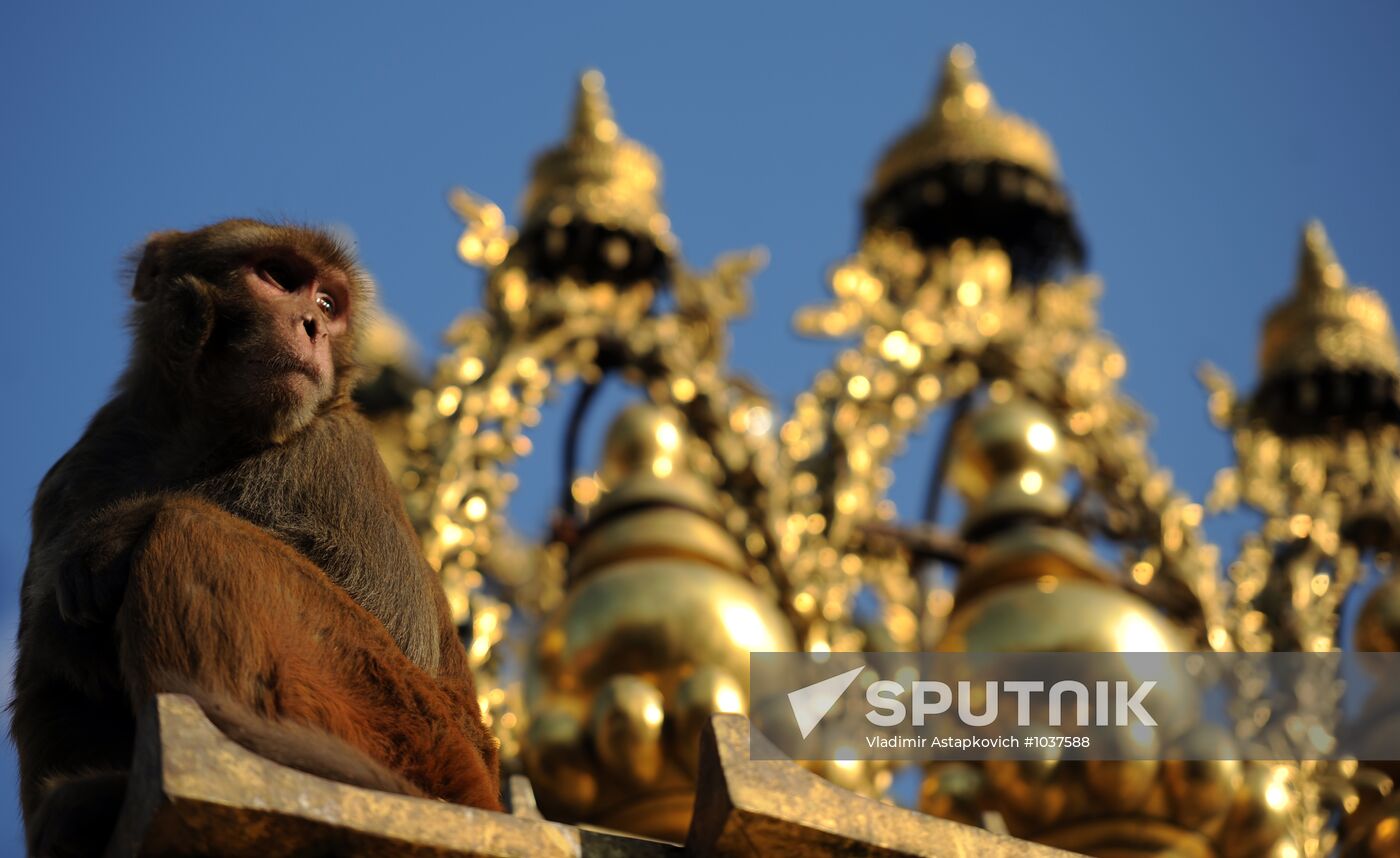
pixel 964 125
pixel 1318 268
pixel 1327 323
pixel 593 115
pixel 1034 584
pixel 1008 461
pixel 652 638
pixel 961 92
pixel 598 175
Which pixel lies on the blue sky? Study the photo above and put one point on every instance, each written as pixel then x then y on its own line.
pixel 1195 138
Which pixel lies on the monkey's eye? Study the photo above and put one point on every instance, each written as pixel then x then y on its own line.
pixel 326 303
pixel 279 274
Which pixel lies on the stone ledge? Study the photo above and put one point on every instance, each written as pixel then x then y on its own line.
pixel 771 808
pixel 195 791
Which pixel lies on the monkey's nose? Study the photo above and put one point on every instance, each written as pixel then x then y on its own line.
pixel 313 330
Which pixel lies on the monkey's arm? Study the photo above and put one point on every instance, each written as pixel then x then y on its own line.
pixel 91 562
pixel 91 508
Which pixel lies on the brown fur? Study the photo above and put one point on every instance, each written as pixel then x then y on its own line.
pixel 225 528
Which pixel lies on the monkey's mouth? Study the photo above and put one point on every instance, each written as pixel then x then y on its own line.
pixel 285 364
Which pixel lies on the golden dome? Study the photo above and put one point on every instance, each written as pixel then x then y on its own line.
pixel 1054 615
pixel 653 637
pixel 643 439
pixel 654 504
pixel 656 616
pixel 1327 323
pixel 1028 553
pixel 598 175
pixel 964 125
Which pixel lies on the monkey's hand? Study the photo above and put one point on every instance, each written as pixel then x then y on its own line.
pixel 92 574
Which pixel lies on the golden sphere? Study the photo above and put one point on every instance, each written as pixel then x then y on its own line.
pixel 626 725
pixel 1053 615
pixel 1378 624
pixel 704 693
pixel 1003 439
pixel 660 616
pixel 643 439
pixel 1032 553
pixel 661 530
pixel 557 758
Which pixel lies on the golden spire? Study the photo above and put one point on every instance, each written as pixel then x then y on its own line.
pixel 593 115
pixel 1318 268
pixel 598 175
pixel 965 125
pixel 1327 323
pixel 1033 584
pixel 961 92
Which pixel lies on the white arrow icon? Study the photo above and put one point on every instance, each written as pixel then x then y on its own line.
pixel 811 703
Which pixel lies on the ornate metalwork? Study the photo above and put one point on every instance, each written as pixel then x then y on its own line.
pixel 1318 458
pixel 719 522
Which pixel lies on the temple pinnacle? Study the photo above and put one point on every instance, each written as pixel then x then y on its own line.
pixel 593 115
pixel 1318 267
pixel 961 92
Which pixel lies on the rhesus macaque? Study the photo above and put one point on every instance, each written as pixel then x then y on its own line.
pixel 226 529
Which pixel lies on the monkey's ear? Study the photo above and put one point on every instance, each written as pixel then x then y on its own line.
pixel 153 264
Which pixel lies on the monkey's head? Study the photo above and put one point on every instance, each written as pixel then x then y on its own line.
pixel 249 326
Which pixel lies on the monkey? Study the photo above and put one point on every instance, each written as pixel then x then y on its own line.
pixel 225 528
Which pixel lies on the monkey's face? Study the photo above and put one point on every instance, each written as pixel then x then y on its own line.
pixel 298 310
pixel 255 322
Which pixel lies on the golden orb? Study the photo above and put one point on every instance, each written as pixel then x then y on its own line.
pixel 1033 553
pixel 1052 615
pixel 704 693
pixel 627 646
pixel 557 743
pixel 1070 616
pixel 652 638
pixel 656 616
pixel 681 531
pixel 627 716
pixel 644 439
pixel 1008 459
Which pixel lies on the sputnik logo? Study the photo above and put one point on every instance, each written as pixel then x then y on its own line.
pixel 811 703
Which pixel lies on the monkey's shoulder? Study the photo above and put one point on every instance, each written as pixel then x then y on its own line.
pixel 112 460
